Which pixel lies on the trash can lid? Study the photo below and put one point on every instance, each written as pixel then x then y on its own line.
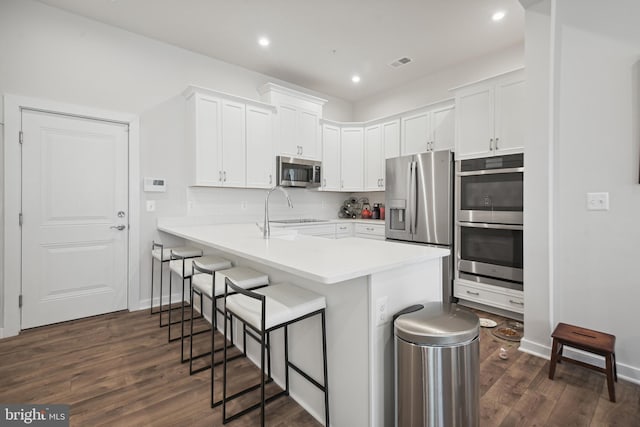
pixel 438 324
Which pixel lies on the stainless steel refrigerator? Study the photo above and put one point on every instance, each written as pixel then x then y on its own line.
pixel 419 204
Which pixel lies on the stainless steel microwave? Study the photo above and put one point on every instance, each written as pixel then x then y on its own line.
pixel 294 172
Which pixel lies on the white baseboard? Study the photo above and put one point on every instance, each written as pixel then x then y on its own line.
pixel 535 349
pixel 625 372
pixel 145 304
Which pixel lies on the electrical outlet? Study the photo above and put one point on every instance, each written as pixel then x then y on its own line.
pixel 598 201
pixel 151 205
pixel 243 205
pixel 381 310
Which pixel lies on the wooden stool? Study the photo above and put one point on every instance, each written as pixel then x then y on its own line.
pixel 587 340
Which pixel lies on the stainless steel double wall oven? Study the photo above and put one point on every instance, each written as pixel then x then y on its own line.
pixel 489 225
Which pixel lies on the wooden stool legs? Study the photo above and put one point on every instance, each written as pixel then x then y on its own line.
pixel 590 341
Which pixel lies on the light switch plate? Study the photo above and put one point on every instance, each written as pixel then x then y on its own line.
pixel 598 201
pixel 151 205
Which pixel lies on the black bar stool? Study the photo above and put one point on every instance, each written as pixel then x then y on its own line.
pixel 211 284
pixel 263 311
pixel 183 268
pixel 162 254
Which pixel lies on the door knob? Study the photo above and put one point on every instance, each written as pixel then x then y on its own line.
pixel 119 227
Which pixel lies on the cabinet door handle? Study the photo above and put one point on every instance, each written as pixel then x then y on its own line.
pixel 491 144
pixel 473 293
pixel 381 182
pixel 224 174
pixel 270 178
pixel 220 176
pixel 495 146
pixel 324 182
pixel 516 302
pixel 369 229
pixel 301 150
pixel 343 228
pixel 342 184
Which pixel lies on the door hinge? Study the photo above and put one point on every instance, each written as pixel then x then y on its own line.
pixel 20 301
pixel 20 219
pixel 20 137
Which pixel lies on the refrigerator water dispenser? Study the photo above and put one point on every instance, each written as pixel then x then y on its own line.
pixel 397 218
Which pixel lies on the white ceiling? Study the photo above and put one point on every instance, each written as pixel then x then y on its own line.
pixel 321 44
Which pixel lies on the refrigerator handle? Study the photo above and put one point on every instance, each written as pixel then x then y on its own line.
pixel 412 197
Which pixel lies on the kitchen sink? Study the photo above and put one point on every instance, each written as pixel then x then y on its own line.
pixel 298 221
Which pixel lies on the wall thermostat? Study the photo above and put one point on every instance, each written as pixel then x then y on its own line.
pixel 155 185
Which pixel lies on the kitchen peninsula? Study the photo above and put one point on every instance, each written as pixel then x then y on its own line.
pixel 364 281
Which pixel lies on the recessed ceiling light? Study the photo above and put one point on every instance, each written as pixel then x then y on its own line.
pixel 263 41
pixel 498 15
pixel 355 79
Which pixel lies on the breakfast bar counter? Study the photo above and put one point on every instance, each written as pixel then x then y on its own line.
pixel 364 281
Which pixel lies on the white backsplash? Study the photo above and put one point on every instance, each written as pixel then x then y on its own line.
pixel 241 205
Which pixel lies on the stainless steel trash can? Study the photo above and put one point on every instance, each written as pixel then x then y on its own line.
pixel 437 366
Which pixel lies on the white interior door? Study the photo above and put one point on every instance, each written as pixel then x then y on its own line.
pixel 74 198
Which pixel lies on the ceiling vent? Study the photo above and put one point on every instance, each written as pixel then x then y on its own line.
pixel 400 62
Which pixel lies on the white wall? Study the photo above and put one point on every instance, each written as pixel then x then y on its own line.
pixel 1 224
pixel 435 87
pixel 47 53
pixel 537 181
pixel 595 147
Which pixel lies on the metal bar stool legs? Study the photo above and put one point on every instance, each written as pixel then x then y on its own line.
pixel 162 254
pixel 263 311
pixel 211 284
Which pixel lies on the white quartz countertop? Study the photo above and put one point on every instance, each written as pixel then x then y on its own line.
pixel 316 258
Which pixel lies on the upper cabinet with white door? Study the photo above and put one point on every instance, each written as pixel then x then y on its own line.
pixel 429 129
pixel 261 160
pixel 298 131
pixel 229 139
pixel 381 142
pixel 331 176
pixel 352 158
pixel 490 116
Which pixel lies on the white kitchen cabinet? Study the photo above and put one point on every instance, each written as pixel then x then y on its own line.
pixel 297 121
pixel 370 231
pixel 327 231
pixel 344 229
pixel 330 158
pixel 490 117
pixel 203 138
pixel 381 142
pixel 219 128
pixel 489 295
pixel 260 150
pixel 233 144
pixel 373 158
pixel 351 158
pixel 390 140
pixel 429 129
pixel 216 137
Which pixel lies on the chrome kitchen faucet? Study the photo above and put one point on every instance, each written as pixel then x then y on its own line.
pixel 266 230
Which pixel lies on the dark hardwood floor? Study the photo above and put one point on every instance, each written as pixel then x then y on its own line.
pixel 118 369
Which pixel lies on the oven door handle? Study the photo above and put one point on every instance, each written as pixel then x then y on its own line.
pixel 489 225
pixel 490 171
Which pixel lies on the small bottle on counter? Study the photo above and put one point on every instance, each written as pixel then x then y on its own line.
pixel 381 211
pixel 376 211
